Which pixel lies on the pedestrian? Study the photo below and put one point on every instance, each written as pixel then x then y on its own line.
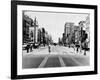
pixel 74 47
pixel 28 46
pixel 77 48
pixel 80 46
pixel 49 48
pixel 85 46
pixel 31 47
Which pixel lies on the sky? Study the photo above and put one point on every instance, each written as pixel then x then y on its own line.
pixel 54 22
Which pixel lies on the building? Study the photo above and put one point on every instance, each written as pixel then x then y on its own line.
pixel 64 39
pixel 68 32
pixel 39 35
pixel 33 32
pixel 27 23
pixel 35 26
pixel 43 37
pixel 84 35
pixel 76 28
pixel 77 33
pixel 88 29
pixel 67 28
pixel 82 26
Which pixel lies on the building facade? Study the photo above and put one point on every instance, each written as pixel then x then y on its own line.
pixel 36 26
pixel 68 33
pixel 88 29
pixel 27 23
pixel 77 34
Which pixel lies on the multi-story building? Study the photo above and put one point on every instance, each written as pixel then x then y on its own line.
pixel 33 31
pixel 39 35
pixel 82 26
pixel 67 28
pixel 68 31
pixel 27 22
pixel 35 25
pixel 88 29
pixel 77 34
pixel 64 38
pixel 84 35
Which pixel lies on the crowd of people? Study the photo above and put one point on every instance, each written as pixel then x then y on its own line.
pixel 79 47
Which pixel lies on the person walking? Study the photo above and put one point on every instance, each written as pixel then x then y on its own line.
pixel 77 49
pixel 49 48
pixel 27 48
pixel 31 47
pixel 74 47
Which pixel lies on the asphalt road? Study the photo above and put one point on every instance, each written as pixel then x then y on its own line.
pixel 58 57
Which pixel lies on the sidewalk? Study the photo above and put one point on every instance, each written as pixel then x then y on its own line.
pixel 74 52
pixel 39 51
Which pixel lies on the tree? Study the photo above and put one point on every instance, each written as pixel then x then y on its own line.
pixel 84 36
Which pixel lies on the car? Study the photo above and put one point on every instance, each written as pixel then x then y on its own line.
pixel 24 46
pixel 54 44
pixel 35 45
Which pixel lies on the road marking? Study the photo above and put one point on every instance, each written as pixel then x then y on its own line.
pixel 43 62
pixel 61 61
pixel 80 64
pixel 76 61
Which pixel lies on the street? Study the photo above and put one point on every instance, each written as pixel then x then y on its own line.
pixel 59 56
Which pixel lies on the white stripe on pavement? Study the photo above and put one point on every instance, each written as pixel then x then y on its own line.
pixel 80 64
pixel 61 61
pixel 76 61
pixel 43 62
